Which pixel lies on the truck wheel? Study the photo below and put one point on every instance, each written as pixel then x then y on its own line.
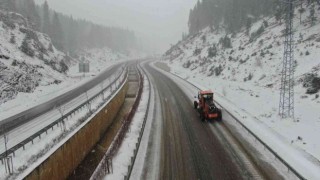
pixel 202 117
pixel 220 116
pixel 195 103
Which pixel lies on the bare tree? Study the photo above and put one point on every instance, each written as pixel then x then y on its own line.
pixel 61 109
pixel 88 103
pixel 8 159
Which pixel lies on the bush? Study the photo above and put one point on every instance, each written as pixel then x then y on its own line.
pixel 250 76
pixel 56 81
pixel 307 53
pixel 25 47
pixel 7 21
pixel 218 70
pixel 13 39
pixel 312 83
pixel 30 34
pixel 187 64
pixel 14 63
pixel 50 48
pixel 197 51
pixel 225 42
pixel 63 67
pixel 204 38
pixel 261 42
pixel 211 71
pixel 40 56
pixel 265 23
pixel 212 51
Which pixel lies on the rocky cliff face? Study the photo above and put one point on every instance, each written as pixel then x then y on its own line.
pixel 27 58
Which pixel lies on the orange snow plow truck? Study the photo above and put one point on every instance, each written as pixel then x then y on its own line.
pixel 206 107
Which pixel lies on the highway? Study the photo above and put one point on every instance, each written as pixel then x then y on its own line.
pixel 36 111
pixel 190 149
pixel 36 118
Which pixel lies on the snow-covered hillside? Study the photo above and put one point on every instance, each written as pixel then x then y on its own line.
pixel 28 59
pixel 245 68
pixel 98 58
pixel 33 71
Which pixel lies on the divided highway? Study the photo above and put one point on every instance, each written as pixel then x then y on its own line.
pixel 26 116
pixel 189 148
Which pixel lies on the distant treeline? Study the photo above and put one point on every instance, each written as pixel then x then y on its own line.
pixel 235 14
pixel 69 34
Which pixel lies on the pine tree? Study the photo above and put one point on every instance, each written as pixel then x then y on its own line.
pixel 233 13
pixel 25 47
pixel 279 14
pixel 57 32
pixel 46 19
pixel 248 25
pixel 312 15
pixel 12 39
pixel 32 14
pixel 11 5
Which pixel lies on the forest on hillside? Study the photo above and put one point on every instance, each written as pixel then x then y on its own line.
pixel 236 14
pixel 67 33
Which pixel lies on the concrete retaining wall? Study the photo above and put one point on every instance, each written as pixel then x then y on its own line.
pixel 65 159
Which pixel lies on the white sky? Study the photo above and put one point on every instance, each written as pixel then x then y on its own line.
pixel 158 22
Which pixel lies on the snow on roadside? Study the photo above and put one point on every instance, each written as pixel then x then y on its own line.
pixel 148 158
pixel 247 75
pixel 123 158
pixel 296 157
pixel 24 101
pixel 26 160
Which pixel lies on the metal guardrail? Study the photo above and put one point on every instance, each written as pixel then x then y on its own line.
pixel 133 159
pixel 290 168
pixel 61 119
pixel 103 167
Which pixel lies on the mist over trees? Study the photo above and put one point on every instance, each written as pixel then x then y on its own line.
pixel 235 14
pixel 67 33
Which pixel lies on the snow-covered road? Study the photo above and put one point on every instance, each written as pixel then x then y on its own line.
pixel 295 157
pixel 24 158
pixel 24 131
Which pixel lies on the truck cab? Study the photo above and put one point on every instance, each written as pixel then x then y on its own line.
pixel 206 106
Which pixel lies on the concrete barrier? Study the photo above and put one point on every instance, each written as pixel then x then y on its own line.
pixel 66 158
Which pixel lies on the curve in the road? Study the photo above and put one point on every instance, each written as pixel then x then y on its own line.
pixel 27 115
pixel 189 150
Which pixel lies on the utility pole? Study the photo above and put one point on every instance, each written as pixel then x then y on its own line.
pixel 286 105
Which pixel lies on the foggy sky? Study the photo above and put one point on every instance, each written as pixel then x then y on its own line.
pixel 158 22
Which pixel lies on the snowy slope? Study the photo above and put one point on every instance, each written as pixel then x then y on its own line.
pixel 99 59
pixel 248 75
pixel 30 76
pixel 26 66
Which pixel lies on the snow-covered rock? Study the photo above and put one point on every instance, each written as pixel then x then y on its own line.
pixel 27 58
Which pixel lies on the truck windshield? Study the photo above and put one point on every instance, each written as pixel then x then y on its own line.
pixel 208 96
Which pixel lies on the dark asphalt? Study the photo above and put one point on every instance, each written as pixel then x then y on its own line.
pixel 189 149
pixel 25 116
